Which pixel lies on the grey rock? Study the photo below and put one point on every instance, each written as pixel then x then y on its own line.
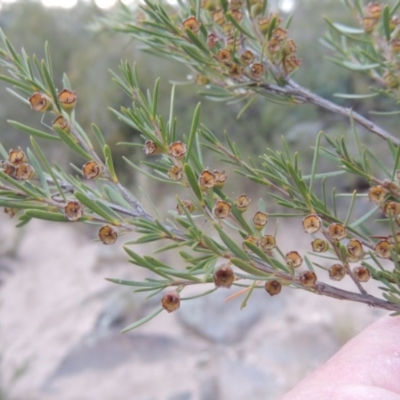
pixel 186 395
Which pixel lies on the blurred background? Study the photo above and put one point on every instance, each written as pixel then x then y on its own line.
pixel 60 320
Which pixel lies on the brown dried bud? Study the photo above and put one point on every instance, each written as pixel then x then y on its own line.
pixel 187 204
pixel 207 180
pixel 293 258
pixel 247 57
pixel 150 148
pixel 383 249
pixel 16 156
pixel 374 10
pixel 40 102
pixel 337 231
pixel 224 276
pixel 273 287
pixel 177 150
pixel 175 173
pixel 192 24
pixel 268 243
pixel 279 34
pixel 320 245
pixel 200 80
pixel 91 170
pixel 257 71
pixel 308 279
pixel 290 47
pixel 369 23
pixel 391 208
pixel 208 5
pixel 291 63
pixel 355 248
pixel 171 301
pixel 73 210
pixel 376 194
pixel 237 14
pixel 274 45
pixel 232 42
pixel 222 209
pixel 249 239
pixel 227 30
pixel 260 219
pixel 218 17
pixel 24 171
pixel 242 203
pixel 224 56
pixel 236 71
pixel 10 211
pixel 361 274
pixel 107 234
pixel 235 4
pixel 61 123
pixel 212 40
pixel 7 167
pixel 337 272
pixel 263 24
pixel 312 223
pixel 67 99
pixel 220 178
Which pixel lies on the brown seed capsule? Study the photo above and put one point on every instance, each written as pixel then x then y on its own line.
pixel 274 45
pixel 16 156
pixel 290 47
pixel 232 42
pixel 320 245
pixel 260 219
pixel 224 276
pixel 61 123
pixel 73 210
pixel 224 56
pixel 189 206
pixel 337 272
pixel 10 211
pixel 391 208
pixel 291 63
pixel 212 40
pixel 222 209
pixel 308 279
pixel 200 80
pixel 361 274
pixel 383 249
pixel 312 223
pixel 235 4
pixel 369 23
pixel 171 301
pixel 220 178
pixel 177 150
pixel 391 81
pixel 237 14
pixel 337 231
pixel 218 17
pixel 67 99
pixel 40 102
pixel 150 148
pixel 192 24
pixel 249 239
pixel 257 71
pixel 355 248
pixel 175 173
pixel 263 24
pixel 268 243
pixel 207 180
pixel 91 170
pixel 279 34
pixel 242 203
pixel 374 10
pixel 376 194
pixel 107 234
pixel 24 172
pixel 247 57
pixel 236 71
pixel 227 30
pixel 294 258
pixel 273 287
pixel 395 45
pixel 7 167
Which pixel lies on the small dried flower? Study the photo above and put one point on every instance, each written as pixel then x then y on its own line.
pixel 374 10
pixel 391 208
pixel 171 301
pixel 207 180
pixel 224 56
pixel 212 40
pixel 249 239
pixel 107 234
pixel 200 80
pixel 279 34
pixel 222 209
pixel 67 99
pixel 273 287
pixel 312 223
pixel 355 248
pixel 232 43
pixel 293 258
pixel 209 5
pixel 224 276
pixel 274 45
pixel 236 71
pixel 235 4
pixel 257 71
pixel 91 170
pixel 40 102
pixel 61 123
pixel 260 219
pixel 337 272
pixel 290 47
pixel 291 63
pixel 361 274
pixel 383 249
pixel 218 17
pixel 150 148
pixel 175 173
pixel 10 211
pixel 220 178
pixel 177 150
pixel 192 24
pixel 7 167
pixel 16 156
pixel 268 243
pixel 24 172
pixel 320 245
pixel 242 203
pixel 189 206
pixel 247 57
pixel 376 194
pixel 73 210
pixel 337 231
pixel 308 279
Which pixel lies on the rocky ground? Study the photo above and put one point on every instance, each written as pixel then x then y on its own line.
pixel 60 323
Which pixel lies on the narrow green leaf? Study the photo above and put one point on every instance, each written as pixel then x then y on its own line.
pixel 248 267
pixel 193 131
pixel 109 163
pixel 315 162
pixel 36 166
pixel 192 180
pixel 231 244
pixel 69 140
pixel 50 85
pixel 46 215
pixel 99 137
pixel 32 131
pixel 142 321
pixel 238 26
pixel 248 294
pixel 386 21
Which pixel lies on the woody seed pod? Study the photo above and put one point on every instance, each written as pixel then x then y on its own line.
pixel 224 56
pixel 91 170
pixel 312 223
pixel 391 208
pixel 200 80
pixel 24 172
pixel 274 45
pixel 320 245
pixel 273 287
pixel 279 34
pixel 218 17
pixel 224 276
pixel 374 10
pixel 237 14
pixel 175 173
pixel 67 100
pixel 337 231
pixel 73 210
pixel 61 123
pixel 171 301
pixel 107 234
pixel 361 274
pixel 337 272
pixel 16 156
pixel 150 148
pixel 207 180
pixel 10 211
pixel 257 71
pixel 376 194
pixel 220 178
pixel 242 203
pixel 177 150
pixel 291 63
pixel 383 249
pixel 308 279
pixel 40 102
pixel 249 239
pixel 189 206
pixel 290 46
pixel 247 57
pixel 294 258
pixel 222 209
pixel 192 24
pixel 7 167
pixel 236 71
pixel 260 219
pixel 268 243
pixel 355 248
pixel 212 40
